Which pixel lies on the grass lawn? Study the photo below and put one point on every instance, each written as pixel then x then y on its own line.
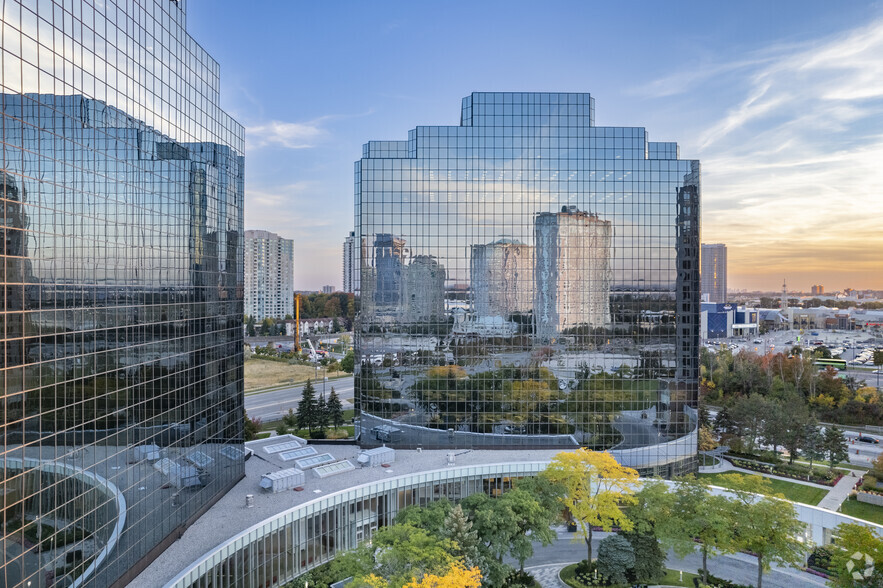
pixel 672 578
pixel 863 510
pixel 791 490
pixel 263 373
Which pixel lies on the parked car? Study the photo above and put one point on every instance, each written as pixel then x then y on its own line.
pixel 868 439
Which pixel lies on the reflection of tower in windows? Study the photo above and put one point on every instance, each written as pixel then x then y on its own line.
pixel 572 271
pixel 424 290
pixel 14 265
pixel 502 278
pixel 388 255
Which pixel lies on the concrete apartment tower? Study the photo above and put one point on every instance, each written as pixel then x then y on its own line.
pixel 269 275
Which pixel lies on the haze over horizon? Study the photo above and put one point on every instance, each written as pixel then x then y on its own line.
pixel 781 103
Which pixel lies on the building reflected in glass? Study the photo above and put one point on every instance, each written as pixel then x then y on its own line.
pixel 121 185
pixel 529 280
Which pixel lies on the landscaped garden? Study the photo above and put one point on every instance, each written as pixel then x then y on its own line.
pixel 790 490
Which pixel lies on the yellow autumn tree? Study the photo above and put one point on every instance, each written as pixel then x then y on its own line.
pixel 456 577
pixel 594 488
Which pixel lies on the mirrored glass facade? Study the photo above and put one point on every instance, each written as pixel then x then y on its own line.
pixel 121 187
pixel 528 279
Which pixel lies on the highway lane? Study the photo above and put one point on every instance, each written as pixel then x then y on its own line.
pixel 270 406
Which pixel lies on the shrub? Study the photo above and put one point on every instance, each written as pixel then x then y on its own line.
pixel 519 578
pixel 820 558
pixel 588 574
pixel 616 558
pixel 721 583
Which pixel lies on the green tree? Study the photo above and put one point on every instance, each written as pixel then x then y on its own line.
pixel 290 419
pixel 616 558
pixel 813 445
pixel 796 419
pixel 251 427
pixel 458 528
pixel 857 539
pixel 764 526
pixel 250 327
pixel 748 414
pixel 430 518
pixel 306 408
pixel 266 325
pixel 404 552
pixel 335 409
pixel 348 363
pixel 532 523
pixel 649 565
pixel 594 488
pixel 698 515
pixel 322 417
pixel 835 447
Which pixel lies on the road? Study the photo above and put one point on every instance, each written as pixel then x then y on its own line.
pixel 739 568
pixel 273 405
pixel 862 454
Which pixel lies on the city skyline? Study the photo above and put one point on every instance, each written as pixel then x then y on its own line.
pixel 781 102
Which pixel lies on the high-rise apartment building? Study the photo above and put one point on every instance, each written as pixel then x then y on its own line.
pixel 572 271
pixel 121 184
pixel 714 272
pixel 818 290
pixel 502 279
pixel 269 275
pixel 350 265
pixel 529 280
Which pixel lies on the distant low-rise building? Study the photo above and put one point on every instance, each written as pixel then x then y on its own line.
pixel 720 321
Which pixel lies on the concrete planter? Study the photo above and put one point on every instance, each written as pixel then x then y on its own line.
pixel 870 498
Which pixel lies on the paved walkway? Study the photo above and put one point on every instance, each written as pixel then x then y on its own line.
pixel 547 575
pixel 839 493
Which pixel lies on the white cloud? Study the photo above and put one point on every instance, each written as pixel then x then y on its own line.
pixel 288 135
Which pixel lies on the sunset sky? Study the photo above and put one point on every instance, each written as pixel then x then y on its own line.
pixel 781 101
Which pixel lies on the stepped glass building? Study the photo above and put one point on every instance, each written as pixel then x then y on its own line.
pixel 121 187
pixel 529 279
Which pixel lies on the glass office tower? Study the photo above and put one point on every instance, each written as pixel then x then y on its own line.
pixel 529 280
pixel 121 186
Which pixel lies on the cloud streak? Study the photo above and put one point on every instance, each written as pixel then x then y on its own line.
pixel 287 135
pixel 792 164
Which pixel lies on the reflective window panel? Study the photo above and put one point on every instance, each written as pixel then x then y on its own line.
pixel 528 279
pixel 121 195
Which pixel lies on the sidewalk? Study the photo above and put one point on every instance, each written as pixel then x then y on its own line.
pixel 839 493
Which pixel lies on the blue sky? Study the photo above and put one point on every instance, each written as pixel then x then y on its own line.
pixel 782 102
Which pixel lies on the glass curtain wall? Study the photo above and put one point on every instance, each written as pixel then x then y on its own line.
pixel 527 279
pixel 121 186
